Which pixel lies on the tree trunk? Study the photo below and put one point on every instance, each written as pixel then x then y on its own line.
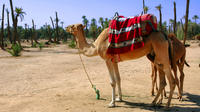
pixel 143 7
pixel 53 28
pixel 186 21
pixel 160 19
pixel 57 32
pixel 2 29
pixel 174 17
pixel 8 28
pixel 26 33
pixel 34 33
pixel 14 23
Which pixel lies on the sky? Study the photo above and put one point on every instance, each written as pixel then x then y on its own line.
pixel 71 11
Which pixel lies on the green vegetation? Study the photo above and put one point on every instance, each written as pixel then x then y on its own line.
pixel 15 50
pixel 72 44
pixel 40 45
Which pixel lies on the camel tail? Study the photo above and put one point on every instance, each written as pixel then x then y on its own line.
pixel 170 50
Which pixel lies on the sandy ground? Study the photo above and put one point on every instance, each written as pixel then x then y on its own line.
pixel 53 80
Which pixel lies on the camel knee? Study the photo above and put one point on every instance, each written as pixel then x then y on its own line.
pixel 163 83
pixel 113 83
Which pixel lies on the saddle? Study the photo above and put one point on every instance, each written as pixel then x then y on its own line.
pixel 126 34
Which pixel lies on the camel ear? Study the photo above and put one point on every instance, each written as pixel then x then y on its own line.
pixel 84 26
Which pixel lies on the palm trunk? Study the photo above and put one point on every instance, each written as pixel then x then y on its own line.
pixel 8 28
pixel 174 17
pixel 34 33
pixel 160 20
pixel 186 21
pixel 143 7
pixel 14 23
pixel 2 29
pixel 57 32
pixel 53 28
pixel 16 34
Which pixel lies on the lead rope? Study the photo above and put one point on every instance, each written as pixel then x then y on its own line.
pixel 93 86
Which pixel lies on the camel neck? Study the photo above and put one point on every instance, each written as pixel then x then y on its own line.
pixel 81 40
pixel 84 47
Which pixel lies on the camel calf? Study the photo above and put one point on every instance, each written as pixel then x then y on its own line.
pixel 178 53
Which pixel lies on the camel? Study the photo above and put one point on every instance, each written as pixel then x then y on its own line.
pixel 156 42
pixel 179 53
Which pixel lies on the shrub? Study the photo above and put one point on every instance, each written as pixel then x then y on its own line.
pixel 34 44
pixel 72 44
pixel 15 50
pixel 41 45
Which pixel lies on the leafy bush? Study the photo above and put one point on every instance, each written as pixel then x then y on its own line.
pixel 72 44
pixel 41 45
pixel 15 50
pixel 34 44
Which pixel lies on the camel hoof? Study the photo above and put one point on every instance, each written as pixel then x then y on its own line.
pixel 111 105
pixel 152 94
pixel 118 99
pixel 180 98
pixel 166 108
pixel 159 102
pixel 152 105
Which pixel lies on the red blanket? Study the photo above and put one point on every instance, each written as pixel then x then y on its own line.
pixel 125 34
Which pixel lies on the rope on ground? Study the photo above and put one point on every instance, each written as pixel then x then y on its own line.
pixel 93 86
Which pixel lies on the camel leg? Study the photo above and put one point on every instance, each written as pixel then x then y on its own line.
pixel 176 80
pixel 154 78
pixel 182 75
pixel 171 81
pixel 163 82
pixel 161 85
pixel 162 62
pixel 112 82
pixel 164 92
pixel 118 80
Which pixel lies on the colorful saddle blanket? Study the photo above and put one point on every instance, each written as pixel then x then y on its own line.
pixel 126 34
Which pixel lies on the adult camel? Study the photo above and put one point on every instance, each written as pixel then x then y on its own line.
pixel 156 42
pixel 179 54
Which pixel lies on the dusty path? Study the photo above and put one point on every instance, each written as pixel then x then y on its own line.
pixel 53 80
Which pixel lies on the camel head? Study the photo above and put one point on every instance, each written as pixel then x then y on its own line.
pixel 73 29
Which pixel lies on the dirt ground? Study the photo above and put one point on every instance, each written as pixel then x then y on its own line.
pixel 53 80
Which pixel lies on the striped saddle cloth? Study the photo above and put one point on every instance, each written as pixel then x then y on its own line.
pixel 126 34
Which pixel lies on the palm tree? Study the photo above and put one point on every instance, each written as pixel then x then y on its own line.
pixel 57 31
pixel 93 28
pixel 8 27
pixel 174 17
pixel 146 9
pixel 159 9
pixel 62 23
pixel 19 13
pixel 101 21
pixel 186 21
pixel 106 23
pixel 85 22
pixel 143 6
pixel 34 33
pixel 2 29
pixel 195 17
pixel 171 25
pixel 53 30
pixel 26 32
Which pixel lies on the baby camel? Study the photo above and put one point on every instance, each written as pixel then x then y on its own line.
pixel 156 42
pixel 179 53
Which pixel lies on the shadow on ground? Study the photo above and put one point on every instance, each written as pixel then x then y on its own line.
pixel 194 105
